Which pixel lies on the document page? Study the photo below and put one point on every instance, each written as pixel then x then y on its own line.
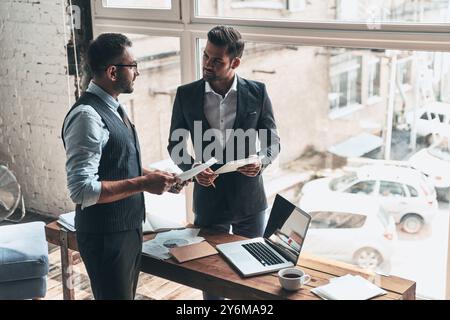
pixel 348 287
pixel 159 247
pixel 195 171
pixel 234 165
pixel 67 220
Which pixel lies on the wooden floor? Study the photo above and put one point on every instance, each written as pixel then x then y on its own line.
pixel 149 287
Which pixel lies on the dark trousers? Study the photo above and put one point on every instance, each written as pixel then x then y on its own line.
pixel 112 262
pixel 250 226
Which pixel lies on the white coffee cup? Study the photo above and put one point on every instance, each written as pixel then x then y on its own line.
pixel 293 279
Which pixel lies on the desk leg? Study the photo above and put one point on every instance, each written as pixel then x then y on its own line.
pixel 410 294
pixel 67 268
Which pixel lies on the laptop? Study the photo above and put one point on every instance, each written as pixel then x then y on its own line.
pixel 278 249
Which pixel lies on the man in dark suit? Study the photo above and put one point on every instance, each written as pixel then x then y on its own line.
pixel 225 115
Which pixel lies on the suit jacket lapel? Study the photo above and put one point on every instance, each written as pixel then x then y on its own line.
pixel 242 102
pixel 197 103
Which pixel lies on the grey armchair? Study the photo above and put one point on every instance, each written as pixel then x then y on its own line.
pixel 23 261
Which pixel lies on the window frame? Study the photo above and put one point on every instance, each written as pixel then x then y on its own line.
pixel 182 19
pixel 319 25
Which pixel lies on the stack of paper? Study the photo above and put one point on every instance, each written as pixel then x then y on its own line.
pixel 348 287
pixel 67 220
pixel 159 247
pixel 154 223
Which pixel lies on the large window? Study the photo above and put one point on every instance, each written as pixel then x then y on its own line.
pixel 150 105
pixel 404 72
pixel 371 12
pixel 349 82
pixel 150 109
pixel 345 79
pixel 373 79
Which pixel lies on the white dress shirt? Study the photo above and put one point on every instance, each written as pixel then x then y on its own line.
pixel 221 111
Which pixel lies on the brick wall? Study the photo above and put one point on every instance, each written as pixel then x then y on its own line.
pixel 34 100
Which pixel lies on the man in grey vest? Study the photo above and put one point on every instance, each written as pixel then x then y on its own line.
pixel 105 177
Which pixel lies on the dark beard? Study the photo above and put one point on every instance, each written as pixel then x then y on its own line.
pixel 211 78
pixel 125 87
pixel 128 89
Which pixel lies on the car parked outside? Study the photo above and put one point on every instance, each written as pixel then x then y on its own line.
pixel 434 162
pixel 403 192
pixel 361 233
pixel 431 120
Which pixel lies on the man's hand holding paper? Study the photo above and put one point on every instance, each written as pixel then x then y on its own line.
pixel 201 172
pixel 249 167
pixel 158 182
pixel 176 188
pixel 206 178
pixel 251 170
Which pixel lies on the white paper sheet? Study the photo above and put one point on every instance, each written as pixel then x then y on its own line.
pixel 348 287
pixel 195 171
pixel 67 220
pixel 155 250
pixel 159 247
pixel 234 165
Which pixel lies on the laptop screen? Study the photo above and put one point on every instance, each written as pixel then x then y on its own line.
pixel 286 228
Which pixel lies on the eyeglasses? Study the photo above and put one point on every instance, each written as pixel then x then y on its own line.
pixel 133 66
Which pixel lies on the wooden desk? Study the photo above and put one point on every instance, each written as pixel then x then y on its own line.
pixel 214 274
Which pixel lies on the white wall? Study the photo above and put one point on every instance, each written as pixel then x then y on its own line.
pixel 34 100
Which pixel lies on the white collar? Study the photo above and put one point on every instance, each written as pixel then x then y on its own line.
pixel 208 88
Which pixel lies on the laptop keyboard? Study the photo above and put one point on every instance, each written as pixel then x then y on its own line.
pixel 265 256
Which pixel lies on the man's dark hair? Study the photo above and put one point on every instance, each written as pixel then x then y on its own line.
pixel 104 50
pixel 226 36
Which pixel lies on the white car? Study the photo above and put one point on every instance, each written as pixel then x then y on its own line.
pixel 433 119
pixel 434 161
pixel 405 193
pixel 361 233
